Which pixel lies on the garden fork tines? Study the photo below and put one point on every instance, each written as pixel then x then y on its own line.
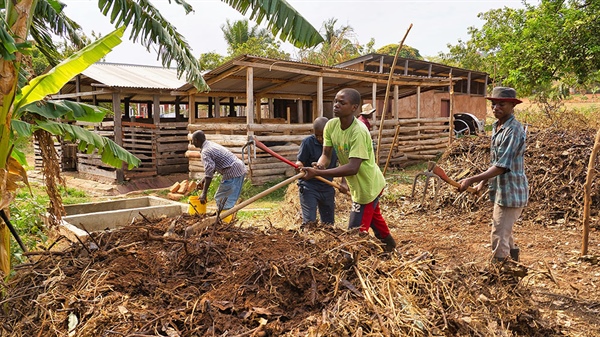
pixel 427 174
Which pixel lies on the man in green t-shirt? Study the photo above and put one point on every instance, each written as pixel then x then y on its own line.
pixel 352 143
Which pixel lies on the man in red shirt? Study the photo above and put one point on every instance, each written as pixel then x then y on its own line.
pixel 365 114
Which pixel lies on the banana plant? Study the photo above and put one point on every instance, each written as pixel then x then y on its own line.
pixel 30 112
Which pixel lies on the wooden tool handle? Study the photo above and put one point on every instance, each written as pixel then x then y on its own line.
pixel 265 148
pixel 442 174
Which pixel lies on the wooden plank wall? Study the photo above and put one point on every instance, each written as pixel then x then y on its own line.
pixel 418 140
pixel 282 138
pixel 91 163
pixel 171 145
pixel 161 149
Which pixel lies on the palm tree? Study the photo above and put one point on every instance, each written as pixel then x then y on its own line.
pixel 39 19
pixel 339 45
pixel 239 32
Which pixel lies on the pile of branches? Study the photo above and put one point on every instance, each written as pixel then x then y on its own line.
pixel 556 164
pixel 236 281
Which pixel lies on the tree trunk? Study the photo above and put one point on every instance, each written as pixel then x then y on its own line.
pixel 18 18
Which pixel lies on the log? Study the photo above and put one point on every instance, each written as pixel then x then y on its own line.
pixel 280 127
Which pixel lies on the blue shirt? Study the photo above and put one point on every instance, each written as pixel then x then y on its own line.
pixel 507 150
pixel 310 152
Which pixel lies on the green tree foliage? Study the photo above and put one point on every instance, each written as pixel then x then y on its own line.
pixel 406 51
pixel 239 32
pixel 260 46
pixel 211 60
pixel 340 45
pixel 243 39
pixel 538 49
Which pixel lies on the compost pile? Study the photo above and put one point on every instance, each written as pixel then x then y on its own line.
pixel 232 280
pixel 556 164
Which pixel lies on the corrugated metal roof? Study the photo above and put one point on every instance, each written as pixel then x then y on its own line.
pixel 134 76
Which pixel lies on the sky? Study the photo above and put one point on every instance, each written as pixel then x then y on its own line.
pixel 435 23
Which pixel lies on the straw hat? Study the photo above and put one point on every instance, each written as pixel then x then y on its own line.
pixel 367 109
pixel 504 94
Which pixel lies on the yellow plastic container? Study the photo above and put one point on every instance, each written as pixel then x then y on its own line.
pixel 196 207
pixel 228 218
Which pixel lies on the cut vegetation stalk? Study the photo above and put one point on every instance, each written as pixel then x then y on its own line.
pixel 587 199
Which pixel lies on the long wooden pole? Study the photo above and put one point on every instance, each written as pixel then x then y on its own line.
pixel 387 92
pixel 190 230
pixel 587 199
pixel 387 161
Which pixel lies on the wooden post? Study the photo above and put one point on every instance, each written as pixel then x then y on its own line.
pixel 451 117
pixel 78 86
pixel 192 108
pixel 387 93
pixel 469 84
pixel 396 100
pixel 288 119
pixel 418 107
pixel 300 112
pixel 374 101
pixel 217 107
pixel 156 109
pixel 118 130
pixel 271 108
pixel 250 98
pixel 319 96
pixel 258 110
pixel 587 199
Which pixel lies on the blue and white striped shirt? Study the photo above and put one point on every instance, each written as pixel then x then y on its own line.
pixel 216 157
pixel 507 150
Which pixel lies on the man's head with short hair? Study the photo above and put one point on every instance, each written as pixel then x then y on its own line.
pixel 318 126
pixel 352 95
pixel 198 138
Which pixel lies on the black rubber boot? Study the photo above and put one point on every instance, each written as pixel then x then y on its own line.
pixel 514 254
pixel 389 243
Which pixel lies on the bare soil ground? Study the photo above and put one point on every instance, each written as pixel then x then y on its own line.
pixel 271 277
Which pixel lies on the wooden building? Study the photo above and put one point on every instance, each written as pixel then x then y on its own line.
pixel 469 92
pixel 277 100
pixel 274 101
pixel 148 120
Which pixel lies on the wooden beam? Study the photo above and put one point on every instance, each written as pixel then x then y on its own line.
pixel 292 80
pixel 224 75
pixel 118 130
pixel 338 74
pixel 82 94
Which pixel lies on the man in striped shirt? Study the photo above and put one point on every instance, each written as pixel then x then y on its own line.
pixel 217 158
pixel 509 189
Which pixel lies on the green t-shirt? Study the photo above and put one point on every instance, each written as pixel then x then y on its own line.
pixel 355 142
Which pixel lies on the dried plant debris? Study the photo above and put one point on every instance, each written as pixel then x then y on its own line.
pixel 236 281
pixel 556 164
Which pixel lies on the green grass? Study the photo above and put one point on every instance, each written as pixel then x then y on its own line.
pixel 27 213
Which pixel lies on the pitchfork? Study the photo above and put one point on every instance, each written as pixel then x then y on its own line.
pixel 428 174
